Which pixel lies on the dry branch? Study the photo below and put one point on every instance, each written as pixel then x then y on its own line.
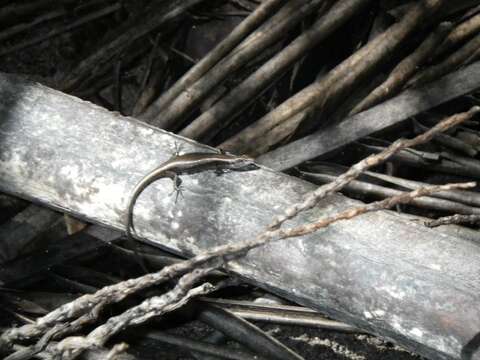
pixel 393 111
pixel 151 19
pixel 91 354
pixel 444 162
pixel 15 9
pixel 70 347
pixel 207 125
pixel 451 63
pixel 279 314
pixel 454 219
pixel 11 31
pixel 202 347
pixel 450 8
pixel 460 33
pixel 404 70
pixel 426 202
pixel 245 333
pixel 342 78
pixel 268 34
pixel 86 19
pixel 464 197
pixel 449 141
pixel 258 16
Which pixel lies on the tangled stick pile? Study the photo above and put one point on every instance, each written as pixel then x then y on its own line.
pixel 281 71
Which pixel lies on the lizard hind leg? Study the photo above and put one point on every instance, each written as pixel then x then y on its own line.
pixel 178 149
pixel 177 187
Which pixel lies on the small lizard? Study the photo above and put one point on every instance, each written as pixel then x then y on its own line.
pixel 182 164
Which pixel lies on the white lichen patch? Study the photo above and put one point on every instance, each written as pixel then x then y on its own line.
pixel 15 167
pixel 70 171
pixel 393 291
pixel 109 193
pixel 99 204
pixel 328 249
pixel 247 188
pixel 331 344
pixel 379 343
pixel 166 200
pixel 226 200
pixel 379 313
pixel 175 225
pixel 416 332
pixel 190 243
pixel 448 345
pixel 145 131
pixel 190 240
pixel 273 331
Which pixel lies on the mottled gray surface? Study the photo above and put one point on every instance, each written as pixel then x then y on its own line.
pixel 379 272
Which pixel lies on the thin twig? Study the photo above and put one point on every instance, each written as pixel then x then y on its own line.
pixel 279 313
pixel 11 31
pixel 464 197
pixel 209 350
pixel 126 35
pixel 28 353
pixel 86 19
pixel 16 10
pixel 435 162
pixel 454 219
pixel 373 160
pixel 361 187
pixel 117 85
pixel 146 76
pixel 154 306
pixel 449 141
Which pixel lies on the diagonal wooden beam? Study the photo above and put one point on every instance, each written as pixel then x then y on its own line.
pixel 379 272
pixel 396 110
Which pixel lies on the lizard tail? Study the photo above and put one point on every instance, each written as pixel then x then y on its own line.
pixel 130 229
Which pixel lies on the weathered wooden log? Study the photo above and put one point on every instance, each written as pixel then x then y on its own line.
pixel 379 272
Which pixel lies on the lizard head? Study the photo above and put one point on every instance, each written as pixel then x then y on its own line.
pixel 243 162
